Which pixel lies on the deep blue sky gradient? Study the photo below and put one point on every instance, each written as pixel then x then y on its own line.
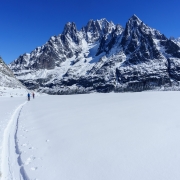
pixel 26 24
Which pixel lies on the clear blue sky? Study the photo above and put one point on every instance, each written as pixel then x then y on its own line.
pixel 26 24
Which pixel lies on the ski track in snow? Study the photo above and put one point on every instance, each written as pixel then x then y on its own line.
pixel 11 165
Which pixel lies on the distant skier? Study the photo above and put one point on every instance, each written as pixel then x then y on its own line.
pixel 33 95
pixel 28 96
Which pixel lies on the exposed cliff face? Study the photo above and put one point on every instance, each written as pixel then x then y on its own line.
pixel 96 29
pixel 5 69
pixel 62 47
pixel 7 79
pixel 102 57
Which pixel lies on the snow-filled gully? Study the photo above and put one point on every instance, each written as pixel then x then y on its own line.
pixel 11 165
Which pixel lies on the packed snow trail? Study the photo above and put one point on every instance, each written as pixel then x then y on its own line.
pixel 11 168
pixel 7 106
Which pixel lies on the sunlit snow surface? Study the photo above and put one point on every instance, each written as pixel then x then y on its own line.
pixel 98 137
pixel 78 66
pixel 13 92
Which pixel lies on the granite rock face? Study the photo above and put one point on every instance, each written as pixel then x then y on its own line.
pixel 102 57
pixel 7 78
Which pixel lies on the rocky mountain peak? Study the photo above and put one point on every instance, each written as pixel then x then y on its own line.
pixel 135 17
pixel 118 29
pixel 101 57
pixel 69 27
pixel 136 27
pixel 95 29
pixel 70 30
pixel 141 42
pixel 133 22
pixel 99 25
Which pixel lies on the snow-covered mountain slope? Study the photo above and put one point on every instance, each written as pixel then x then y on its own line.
pixel 9 85
pixel 177 41
pixel 102 57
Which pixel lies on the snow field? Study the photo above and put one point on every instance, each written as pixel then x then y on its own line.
pixel 12 92
pixel 95 136
pixel 101 136
pixel 7 108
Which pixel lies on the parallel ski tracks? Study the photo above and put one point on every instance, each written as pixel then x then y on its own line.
pixel 11 165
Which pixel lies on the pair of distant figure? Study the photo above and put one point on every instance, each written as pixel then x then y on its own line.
pixel 29 96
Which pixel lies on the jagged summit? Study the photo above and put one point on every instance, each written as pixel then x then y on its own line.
pixel 102 57
pixel 95 29
pixel 134 21
pixel 135 17
pixel 98 25
pixel 69 27
pixel 102 19
pixel 71 32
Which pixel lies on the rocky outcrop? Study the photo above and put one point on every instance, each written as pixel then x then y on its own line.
pixel 7 78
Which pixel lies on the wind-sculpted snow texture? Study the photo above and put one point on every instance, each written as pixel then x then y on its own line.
pixel 102 57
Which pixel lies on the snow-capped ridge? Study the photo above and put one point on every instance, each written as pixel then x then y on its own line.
pixel 177 41
pixel 135 20
pixel 135 17
pixel 102 57
pixel 69 27
pixel 95 29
